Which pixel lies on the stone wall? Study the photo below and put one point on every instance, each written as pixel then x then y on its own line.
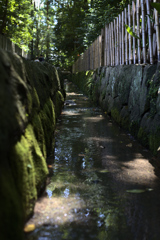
pixel 31 98
pixel 131 95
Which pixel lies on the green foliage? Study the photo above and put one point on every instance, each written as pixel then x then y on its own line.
pixel 156 6
pixel 78 23
pixel 130 31
pixel 59 30
pixel 16 21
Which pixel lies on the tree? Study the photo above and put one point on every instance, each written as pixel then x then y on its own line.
pixel 16 21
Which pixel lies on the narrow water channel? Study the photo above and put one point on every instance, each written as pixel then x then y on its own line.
pixel 101 183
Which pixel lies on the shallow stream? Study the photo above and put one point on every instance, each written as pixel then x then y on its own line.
pixel 101 185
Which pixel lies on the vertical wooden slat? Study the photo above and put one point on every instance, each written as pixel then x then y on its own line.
pixel 120 40
pixel 143 31
pixel 157 35
pixel 126 38
pixel 138 32
pixel 149 33
pixel 102 47
pixel 110 44
pixel 106 45
pixel 130 40
pixel 123 38
pixel 134 40
pixel 117 41
pixel 100 53
pixel 113 60
pixel 94 55
pixel 109 60
pixel 97 51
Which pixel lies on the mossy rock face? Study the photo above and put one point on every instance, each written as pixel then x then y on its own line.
pixel 21 161
pixel 130 94
pixel 48 119
pixel 143 137
pixel 11 210
pixel 39 133
pixel 30 169
pixel 27 124
pixel 116 115
pixel 58 101
pixel 154 142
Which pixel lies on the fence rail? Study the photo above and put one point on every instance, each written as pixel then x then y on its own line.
pixel 7 45
pixel 115 46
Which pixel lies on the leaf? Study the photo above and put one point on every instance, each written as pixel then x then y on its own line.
pixel 129 30
pixel 139 190
pixel 29 228
pixel 104 171
pixel 136 191
pixel 81 155
pixel 50 166
pixel 156 6
pixel 149 189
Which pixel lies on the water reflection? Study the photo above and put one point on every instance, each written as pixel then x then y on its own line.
pixel 94 165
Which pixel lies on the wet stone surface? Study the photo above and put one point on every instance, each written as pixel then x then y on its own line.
pixel 101 183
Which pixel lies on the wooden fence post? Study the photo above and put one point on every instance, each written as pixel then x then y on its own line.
pixel 149 33
pixel 130 40
pixel 120 39
pixel 123 38
pixel 143 32
pixel 126 38
pixel 138 32
pixel 113 45
pixel 157 35
pixel 134 40
pixel 117 41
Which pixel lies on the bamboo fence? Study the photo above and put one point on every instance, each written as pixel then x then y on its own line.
pixel 7 45
pixel 115 46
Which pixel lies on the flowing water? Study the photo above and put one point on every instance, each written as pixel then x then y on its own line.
pixel 101 183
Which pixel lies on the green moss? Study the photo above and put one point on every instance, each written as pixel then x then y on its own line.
pixel 29 169
pixel 30 103
pixel 33 103
pixel 143 137
pixel 39 162
pixel 24 174
pixel 48 120
pixel 154 141
pixel 125 122
pixel 36 102
pixel 103 93
pixel 59 100
pixel 115 115
pixel 11 210
pixel 39 133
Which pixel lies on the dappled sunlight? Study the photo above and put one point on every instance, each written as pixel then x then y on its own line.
pixel 96 170
pixel 74 94
pixel 101 139
pixel 71 113
pixel 94 118
pixel 134 171
pixel 139 170
pixel 57 210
